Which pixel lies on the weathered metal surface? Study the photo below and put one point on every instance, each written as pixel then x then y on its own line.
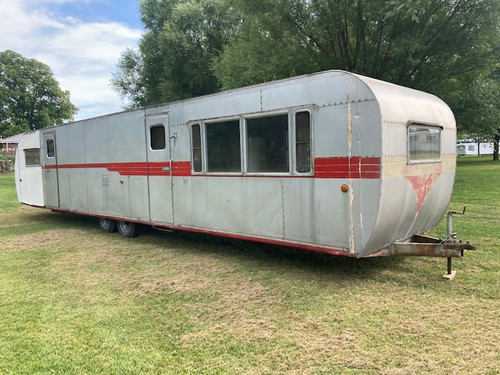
pixel 420 245
pixel 359 139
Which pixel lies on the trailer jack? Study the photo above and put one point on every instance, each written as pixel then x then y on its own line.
pixel 450 237
pixel 422 245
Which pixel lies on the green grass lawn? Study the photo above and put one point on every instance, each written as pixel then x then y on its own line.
pixel 74 300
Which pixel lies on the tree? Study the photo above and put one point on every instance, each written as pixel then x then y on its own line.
pixel 30 97
pixel 415 43
pixel 176 53
pixel 447 47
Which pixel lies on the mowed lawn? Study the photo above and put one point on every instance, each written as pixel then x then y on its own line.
pixel 74 300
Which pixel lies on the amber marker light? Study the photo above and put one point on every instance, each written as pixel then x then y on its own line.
pixel 344 188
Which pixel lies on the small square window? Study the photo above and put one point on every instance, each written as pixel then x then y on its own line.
pixel 157 134
pixel 32 157
pixel 424 143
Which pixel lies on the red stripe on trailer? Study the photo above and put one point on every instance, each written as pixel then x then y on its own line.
pixel 124 169
pixel 345 167
pixel 333 167
pixel 181 168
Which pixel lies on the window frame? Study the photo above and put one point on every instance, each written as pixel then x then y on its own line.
pixel 243 133
pixel 151 127
pixel 289 140
pixel 33 150
pixel 50 151
pixel 204 142
pixel 311 142
pixel 202 148
pixel 408 143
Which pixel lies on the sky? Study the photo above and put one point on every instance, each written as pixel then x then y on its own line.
pixel 80 40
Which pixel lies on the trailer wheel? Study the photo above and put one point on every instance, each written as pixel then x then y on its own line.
pixel 107 225
pixel 127 229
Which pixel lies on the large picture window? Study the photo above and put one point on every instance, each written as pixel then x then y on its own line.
pixel 279 143
pixel 268 144
pixel 424 143
pixel 223 146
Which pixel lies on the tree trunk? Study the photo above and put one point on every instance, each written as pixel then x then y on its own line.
pixel 495 147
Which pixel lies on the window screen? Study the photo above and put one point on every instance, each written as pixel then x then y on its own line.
pixel 223 146
pixel 157 133
pixel 268 144
pixel 303 142
pixel 196 142
pixel 51 151
pixel 32 157
pixel 424 143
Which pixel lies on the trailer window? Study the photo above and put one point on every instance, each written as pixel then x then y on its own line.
pixel 51 150
pixel 223 146
pixel 157 134
pixel 303 142
pixel 196 142
pixel 424 143
pixel 32 157
pixel 268 144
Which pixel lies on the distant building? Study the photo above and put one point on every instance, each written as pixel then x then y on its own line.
pixel 9 144
pixel 471 147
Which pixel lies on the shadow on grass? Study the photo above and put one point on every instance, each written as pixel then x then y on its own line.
pixel 249 255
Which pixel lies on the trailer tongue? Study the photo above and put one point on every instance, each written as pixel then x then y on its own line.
pixel 421 245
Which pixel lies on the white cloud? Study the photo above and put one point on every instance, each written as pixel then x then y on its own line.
pixel 81 55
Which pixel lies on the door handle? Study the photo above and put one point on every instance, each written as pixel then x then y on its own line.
pixel 165 169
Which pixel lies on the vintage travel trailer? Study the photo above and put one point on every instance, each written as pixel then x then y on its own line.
pixel 331 162
pixel 467 147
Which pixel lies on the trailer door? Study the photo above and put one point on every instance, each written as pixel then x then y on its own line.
pixel 49 165
pixel 159 169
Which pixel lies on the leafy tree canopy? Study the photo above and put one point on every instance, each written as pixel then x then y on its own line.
pixel 30 97
pixel 447 47
pixel 175 56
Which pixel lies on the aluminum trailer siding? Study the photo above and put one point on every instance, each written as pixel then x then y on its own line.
pixel 332 162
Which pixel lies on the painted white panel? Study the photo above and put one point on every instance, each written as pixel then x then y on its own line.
pixel 29 180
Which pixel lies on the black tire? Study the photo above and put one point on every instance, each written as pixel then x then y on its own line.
pixel 107 225
pixel 127 229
